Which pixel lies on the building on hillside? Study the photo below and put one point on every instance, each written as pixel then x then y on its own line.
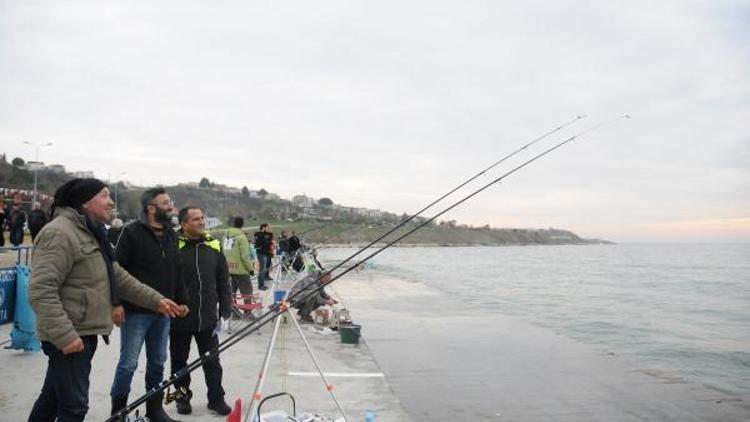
pixel 374 214
pixel 83 174
pixel 34 166
pixel 303 201
pixel 310 212
pixel 56 168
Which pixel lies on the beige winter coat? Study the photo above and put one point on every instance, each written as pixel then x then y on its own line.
pixel 69 288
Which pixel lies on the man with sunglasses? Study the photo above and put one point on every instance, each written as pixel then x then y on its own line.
pixel 147 249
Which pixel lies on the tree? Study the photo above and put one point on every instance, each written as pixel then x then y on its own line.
pixel 326 202
pixel 245 191
pixel 18 162
pixel 262 193
pixel 204 183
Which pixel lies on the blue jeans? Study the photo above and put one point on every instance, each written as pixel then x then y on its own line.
pixel 135 330
pixel 65 394
pixel 265 262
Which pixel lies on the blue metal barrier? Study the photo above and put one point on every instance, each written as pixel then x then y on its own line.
pixel 14 301
pixel 8 281
pixel 7 294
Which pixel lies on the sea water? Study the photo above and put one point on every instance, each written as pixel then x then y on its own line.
pixel 684 308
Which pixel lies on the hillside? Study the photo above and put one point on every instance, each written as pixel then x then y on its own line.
pixel 321 220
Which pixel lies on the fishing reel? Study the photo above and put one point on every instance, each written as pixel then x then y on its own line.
pixel 177 394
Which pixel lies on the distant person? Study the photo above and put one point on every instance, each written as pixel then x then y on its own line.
pixel 283 243
pixel 207 277
pixel 295 251
pixel 76 283
pixel 37 219
pixel 2 221
pixel 237 250
pixel 147 248
pixel 114 231
pixel 264 249
pixel 315 300
pixel 16 223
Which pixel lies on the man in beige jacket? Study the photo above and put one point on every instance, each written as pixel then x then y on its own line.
pixel 75 286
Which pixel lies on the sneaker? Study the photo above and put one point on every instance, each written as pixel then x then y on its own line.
pixel 306 318
pixel 262 288
pixel 183 407
pixel 220 407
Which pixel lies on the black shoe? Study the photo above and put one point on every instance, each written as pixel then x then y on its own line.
pixel 154 410
pixel 262 288
pixel 118 403
pixel 183 406
pixel 220 407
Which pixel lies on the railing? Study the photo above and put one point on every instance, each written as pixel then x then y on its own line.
pixel 8 280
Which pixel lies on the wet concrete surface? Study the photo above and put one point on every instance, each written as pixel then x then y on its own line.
pixel 448 363
pixel 358 381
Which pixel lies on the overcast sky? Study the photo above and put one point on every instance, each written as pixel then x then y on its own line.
pixel 387 104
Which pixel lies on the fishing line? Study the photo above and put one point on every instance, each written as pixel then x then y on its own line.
pixel 306 292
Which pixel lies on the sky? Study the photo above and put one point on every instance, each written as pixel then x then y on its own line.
pixel 389 104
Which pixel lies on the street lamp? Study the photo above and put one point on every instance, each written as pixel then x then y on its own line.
pixel 36 168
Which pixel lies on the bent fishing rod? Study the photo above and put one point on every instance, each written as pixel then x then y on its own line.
pixel 306 292
pixel 447 194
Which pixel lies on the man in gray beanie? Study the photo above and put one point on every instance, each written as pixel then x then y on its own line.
pixel 75 285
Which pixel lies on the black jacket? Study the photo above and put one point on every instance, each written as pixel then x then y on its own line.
pixel 152 260
pixel 37 220
pixel 263 243
pixel 206 274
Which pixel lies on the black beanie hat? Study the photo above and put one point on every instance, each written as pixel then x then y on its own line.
pixel 77 192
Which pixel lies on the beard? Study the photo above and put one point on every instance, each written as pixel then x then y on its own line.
pixel 163 217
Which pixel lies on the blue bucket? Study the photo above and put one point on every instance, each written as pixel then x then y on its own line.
pixel 278 295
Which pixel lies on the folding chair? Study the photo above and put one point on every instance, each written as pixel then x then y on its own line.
pixel 245 308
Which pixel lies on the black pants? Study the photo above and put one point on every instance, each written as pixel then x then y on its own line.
pixel 243 283
pixel 310 304
pixel 179 350
pixel 65 394
pixel 16 236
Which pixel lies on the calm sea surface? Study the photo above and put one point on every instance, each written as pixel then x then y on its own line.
pixel 679 307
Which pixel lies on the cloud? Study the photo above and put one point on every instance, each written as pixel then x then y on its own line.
pixel 388 104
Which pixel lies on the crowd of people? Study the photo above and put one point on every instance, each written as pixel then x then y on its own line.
pixel 163 286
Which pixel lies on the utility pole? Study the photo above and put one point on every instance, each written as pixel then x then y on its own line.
pixel 36 168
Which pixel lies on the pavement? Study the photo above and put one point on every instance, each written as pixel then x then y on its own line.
pixel 359 384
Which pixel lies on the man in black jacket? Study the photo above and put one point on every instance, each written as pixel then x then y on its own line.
pixel 16 222
pixel 206 275
pixel 37 219
pixel 147 249
pixel 264 250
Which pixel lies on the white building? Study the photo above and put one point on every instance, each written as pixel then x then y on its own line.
pixel 303 201
pixel 56 168
pixel 83 174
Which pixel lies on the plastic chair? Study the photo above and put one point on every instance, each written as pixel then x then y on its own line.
pixel 245 308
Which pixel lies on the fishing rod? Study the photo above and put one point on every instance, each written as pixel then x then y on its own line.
pixel 278 309
pixel 282 307
pixel 236 336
